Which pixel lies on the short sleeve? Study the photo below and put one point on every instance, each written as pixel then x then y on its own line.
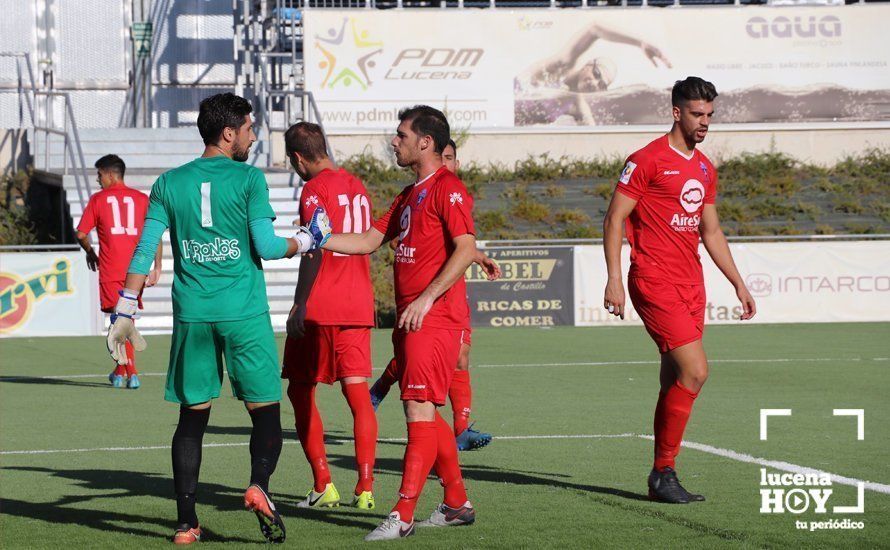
pixel 88 218
pixel 711 191
pixel 258 196
pixel 455 205
pixel 634 179
pixel 156 208
pixel 388 224
pixel 310 200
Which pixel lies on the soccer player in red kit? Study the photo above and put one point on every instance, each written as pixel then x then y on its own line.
pixel 117 213
pixel 665 200
pixel 433 221
pixel 461 392
pixel 329 328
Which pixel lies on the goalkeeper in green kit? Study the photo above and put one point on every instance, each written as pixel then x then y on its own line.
pixel 217 209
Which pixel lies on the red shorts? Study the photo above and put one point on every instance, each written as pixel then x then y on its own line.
pixel 674 315
pixel 425 362
pixel 109 292
pixel 466 336
pixel 327 354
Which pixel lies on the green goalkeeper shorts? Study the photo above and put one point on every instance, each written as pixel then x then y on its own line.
pixel 196 361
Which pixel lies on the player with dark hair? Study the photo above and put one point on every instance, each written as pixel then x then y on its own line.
pixel 460 393
pixel 217 209
pixel 664 200
pixel 329 327
pixel 433 220
pixel 117 213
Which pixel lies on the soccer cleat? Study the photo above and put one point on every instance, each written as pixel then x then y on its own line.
pixel 378 394
pixel 665 487
pixel 133 382
pixel 118 381
pixel 392 528
pixel 329 498
pixel 111 377
pixel 446 516
pixel 257 501
pixel 186 534
pixel 364 501
pixel 470 439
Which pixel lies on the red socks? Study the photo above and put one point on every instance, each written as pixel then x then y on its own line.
pixel 310 431
pixel 671 415
pixel 461 395
pixel 448 466
pixel 420 454
pixel 364 428
pixel 131 365
pixel 389 376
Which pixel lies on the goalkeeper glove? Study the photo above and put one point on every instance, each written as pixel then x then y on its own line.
pixel 123 329
pixel 320 228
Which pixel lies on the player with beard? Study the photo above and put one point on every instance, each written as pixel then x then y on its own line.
pixel 220 220
pixel 433 221
pixel 664 200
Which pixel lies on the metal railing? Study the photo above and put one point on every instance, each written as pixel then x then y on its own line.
pixel 41 115
pixel 538 243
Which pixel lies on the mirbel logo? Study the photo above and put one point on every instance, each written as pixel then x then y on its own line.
pixel 349 55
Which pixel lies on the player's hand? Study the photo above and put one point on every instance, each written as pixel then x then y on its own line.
pixel 614 297
pixel 748 305
pixel 123 329
pixel 490 267
pixel 295 321
pixel 320 228
pixel 153 277
pixel 654 54
pixel 92 260
pixel 412 318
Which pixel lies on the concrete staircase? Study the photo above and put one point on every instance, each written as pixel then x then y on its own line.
pixel 150 152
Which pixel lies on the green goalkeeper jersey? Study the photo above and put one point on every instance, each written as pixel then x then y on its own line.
pixel 208 204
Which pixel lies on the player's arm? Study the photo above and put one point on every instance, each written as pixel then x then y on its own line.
pixel 718 248
pixel 355 243
pixel 455 267
pixel 87 246
pixel 309 266
pixel 272 247
pixel 613 232
pixel 155 274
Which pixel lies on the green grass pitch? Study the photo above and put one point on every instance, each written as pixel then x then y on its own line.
pixel 111 486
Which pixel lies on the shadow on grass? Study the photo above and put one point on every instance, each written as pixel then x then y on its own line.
pixel 36 380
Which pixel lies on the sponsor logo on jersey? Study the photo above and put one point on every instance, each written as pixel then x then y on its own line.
pixel 692 196
pixel 18 295
pixel 682 222
pixel 217 251
pixel 671 172
pixel 405 254
pixel 626 173
pixel 456 198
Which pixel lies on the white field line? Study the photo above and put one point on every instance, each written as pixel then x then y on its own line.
pixel 724 453
pixel 514 365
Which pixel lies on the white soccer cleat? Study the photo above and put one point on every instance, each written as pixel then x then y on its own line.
pixel 392 528
pixel 446 516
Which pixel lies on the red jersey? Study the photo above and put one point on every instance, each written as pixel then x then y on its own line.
pixel 342 294
pixel 426 217
pixel 671 190
pixel 118 214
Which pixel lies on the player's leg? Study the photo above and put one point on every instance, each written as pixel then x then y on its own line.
pixel 252 362
pixel 307 361
pixel 353 364
pixel 108 296
pixel 455 508
pixel 460 393
pixel 384 383
pixel 194 378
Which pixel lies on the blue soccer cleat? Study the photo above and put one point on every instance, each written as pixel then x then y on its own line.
pixel 118 381
pixel 111 377
pixel 470 439
pixel 133 382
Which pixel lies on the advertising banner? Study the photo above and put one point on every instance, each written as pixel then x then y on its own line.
pixel 47 294
pixel 535 289
pixel 792 282
pixel 492 69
